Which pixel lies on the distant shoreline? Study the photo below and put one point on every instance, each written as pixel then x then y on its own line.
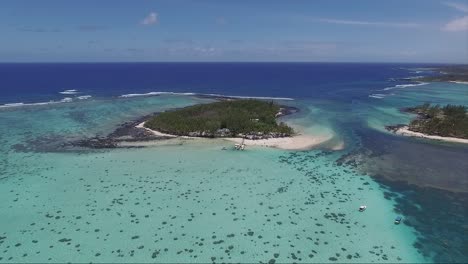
pixel 451 73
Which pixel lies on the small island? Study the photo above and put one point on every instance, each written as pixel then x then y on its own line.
pixel 447 123
pixel 245 122
pixel 250 119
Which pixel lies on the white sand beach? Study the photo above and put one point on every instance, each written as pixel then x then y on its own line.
pixel 405 132
pixel 156 133
pixel 298 142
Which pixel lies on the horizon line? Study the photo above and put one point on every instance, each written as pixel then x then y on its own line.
pixel 233 62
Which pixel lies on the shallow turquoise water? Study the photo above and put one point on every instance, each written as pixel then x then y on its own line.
pixel 194 202
pixel 381 112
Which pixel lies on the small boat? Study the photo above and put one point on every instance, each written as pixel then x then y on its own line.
pixel 398 220
pixel 239 146
pixel 362 208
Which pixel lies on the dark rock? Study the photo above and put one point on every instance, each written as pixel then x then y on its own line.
pixel 394 128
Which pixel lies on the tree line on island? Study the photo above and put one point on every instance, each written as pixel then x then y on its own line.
pixel 253 119
pixel 446 121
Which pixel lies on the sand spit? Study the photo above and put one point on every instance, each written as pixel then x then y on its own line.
pixel 404 131
pixel 299 142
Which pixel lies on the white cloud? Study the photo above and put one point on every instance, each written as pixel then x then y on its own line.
pixel 151 19
pixel 459 24
pixel 369 23
pixel 458 6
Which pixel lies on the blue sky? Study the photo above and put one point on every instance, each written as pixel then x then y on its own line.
pixel 242 30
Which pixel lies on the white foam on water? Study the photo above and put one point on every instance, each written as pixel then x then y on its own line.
pixel 378 96
pixel 11 105
pixel 72 91
pixel 250 97
pixel 153 94
pixel 83 97
pixel 202 94
pixel 400 86
pixel 26 104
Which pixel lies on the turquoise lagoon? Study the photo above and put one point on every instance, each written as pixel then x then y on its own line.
pixel 191 201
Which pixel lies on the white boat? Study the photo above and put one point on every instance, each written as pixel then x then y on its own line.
pixel 362 208
pixel 398 220
pixel 240 146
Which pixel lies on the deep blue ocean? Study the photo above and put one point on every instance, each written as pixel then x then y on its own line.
pixel 29 83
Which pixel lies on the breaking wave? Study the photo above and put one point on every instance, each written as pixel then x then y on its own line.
pixel 10 105
pixel 378 96
pixel 83 97
pixel 153 94
pixel 72 91
pixel 210 95
pixel 400 86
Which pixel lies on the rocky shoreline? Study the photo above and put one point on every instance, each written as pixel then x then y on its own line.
pixel 395 128
pixel 126 132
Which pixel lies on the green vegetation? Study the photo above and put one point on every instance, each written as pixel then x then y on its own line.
pixel 449 73
pixel 223 119
pixel 446 121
